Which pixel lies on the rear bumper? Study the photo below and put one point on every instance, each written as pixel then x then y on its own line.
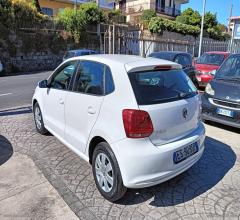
pixel 143 164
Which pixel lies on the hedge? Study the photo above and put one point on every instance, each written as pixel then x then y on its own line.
pixel 159 25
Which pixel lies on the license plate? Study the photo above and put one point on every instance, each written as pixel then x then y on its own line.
pixel 185 152
pixel 225 112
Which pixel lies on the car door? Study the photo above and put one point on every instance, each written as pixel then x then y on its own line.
pixel 54 98
pixel 84 103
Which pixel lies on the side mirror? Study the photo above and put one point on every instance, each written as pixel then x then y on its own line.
pixel 43 84
pixel 213 72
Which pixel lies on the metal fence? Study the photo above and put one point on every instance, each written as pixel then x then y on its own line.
pixel 123 41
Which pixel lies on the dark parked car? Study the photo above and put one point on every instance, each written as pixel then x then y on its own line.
pixel 76 53
pixel 183 58
pixel 221 100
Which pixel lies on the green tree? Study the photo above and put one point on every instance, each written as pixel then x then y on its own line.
pixel 147 15
pixel 75 21
pixel 190 17
pixel 210 20
pixel 212 28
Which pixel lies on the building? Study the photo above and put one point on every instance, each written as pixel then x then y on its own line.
pixel 53 7
pixel 165 8
pixel 231 22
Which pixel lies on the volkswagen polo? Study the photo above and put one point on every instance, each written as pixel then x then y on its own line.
pixel 135 120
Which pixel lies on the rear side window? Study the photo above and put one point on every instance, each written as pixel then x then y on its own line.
pixel 154 87
pixel 109 85
pixel 184 60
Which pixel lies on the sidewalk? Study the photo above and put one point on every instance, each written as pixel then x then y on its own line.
pixel 26 194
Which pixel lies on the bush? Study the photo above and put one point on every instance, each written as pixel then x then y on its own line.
pixel 115 16
pixel 159 25
pixel 17 14
pixel 75 21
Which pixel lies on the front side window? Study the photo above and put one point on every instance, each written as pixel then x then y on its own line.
pixel 62 78
pixel 90 78
pixel 230 68
pixel 160 86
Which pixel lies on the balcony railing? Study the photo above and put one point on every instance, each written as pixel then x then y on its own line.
pixel 168 11
pixel 137 8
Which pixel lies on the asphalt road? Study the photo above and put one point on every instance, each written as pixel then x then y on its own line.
pixel 18 90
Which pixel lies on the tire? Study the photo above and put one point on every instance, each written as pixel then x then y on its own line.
pixel 38 119
pixel 113 190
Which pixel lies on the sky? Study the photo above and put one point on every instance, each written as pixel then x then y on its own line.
pixel 221 7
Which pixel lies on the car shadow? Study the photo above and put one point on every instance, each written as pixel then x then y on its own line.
pixel 16 111
pixel 217 160
pixel 6 150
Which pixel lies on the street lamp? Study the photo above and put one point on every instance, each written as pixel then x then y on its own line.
pixel 202 24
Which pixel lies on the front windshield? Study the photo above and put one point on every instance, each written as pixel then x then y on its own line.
pixel 230 68
pixel 211 59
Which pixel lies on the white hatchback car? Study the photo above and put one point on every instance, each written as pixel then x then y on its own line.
pixel 136 120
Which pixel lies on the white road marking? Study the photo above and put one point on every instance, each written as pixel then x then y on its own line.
pixel 5 94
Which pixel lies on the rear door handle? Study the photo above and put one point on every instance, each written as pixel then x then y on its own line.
pixel 91 110
pixel 61 102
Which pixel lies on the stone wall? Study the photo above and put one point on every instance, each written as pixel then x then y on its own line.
pixel 31 51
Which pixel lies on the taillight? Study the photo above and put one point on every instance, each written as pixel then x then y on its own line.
pixel 137 123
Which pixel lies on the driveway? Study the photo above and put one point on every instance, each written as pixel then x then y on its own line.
pixel 210 189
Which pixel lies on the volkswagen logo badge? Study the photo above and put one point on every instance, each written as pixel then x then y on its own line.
pixel 185 113
pixel 227 97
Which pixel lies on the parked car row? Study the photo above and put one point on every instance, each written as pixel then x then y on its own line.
pixel 137 121
pixel 200 71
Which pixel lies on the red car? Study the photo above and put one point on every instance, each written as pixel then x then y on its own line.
pixel 206 66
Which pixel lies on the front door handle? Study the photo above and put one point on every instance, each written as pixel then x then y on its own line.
pixel 61 102
pixel 91 110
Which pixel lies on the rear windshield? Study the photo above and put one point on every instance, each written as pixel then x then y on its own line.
pixel 154 87
pixel 211 59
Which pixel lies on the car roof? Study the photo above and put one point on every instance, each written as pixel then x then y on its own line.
pixel 80 50
pixel 131 62
pixel 171 52
pixel 218 52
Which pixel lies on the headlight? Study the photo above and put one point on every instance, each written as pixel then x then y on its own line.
pixel 209 90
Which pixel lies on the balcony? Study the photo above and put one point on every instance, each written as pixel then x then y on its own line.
pixel 170 11
pixel 132 8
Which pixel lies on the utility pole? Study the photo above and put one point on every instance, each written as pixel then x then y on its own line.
pixel 99 27
pixel 75 6
pixel 202 26
pixel 229 19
